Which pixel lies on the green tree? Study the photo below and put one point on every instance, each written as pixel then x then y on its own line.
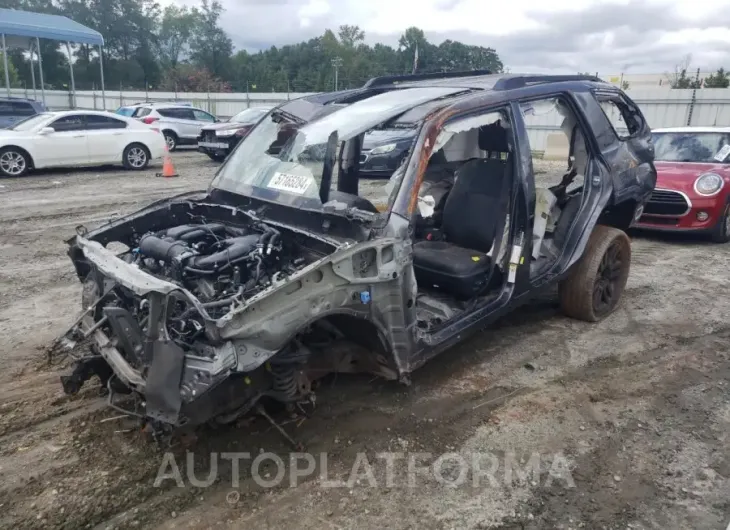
pixel 130 41
pixel 720 79
pixel 149 46
pixel 188 78
pixel 414 39
pixel 351 36
pixel 679 79
pixel 210 47
pixel 683 81
pixel 453 56
pixel 12 73
pixel 176 30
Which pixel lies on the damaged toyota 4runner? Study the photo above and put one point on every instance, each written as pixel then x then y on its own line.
pixel 291 266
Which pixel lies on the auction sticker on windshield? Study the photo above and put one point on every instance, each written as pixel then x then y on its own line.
pixel 292 183
pixel 723 153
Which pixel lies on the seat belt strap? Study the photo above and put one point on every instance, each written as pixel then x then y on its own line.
pixel 504 197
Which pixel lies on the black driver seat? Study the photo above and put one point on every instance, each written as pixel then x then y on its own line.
pixel 458 264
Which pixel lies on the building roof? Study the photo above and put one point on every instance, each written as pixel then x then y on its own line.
pixel 53 27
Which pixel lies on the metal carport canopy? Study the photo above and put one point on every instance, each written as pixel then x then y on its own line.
pixel 19 23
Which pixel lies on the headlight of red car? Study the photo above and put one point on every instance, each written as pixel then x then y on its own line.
pixel 708 184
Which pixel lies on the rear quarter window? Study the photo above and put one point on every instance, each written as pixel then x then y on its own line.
pixel 179 113
pixel 626 122
pixel 141 112
pixel 96 122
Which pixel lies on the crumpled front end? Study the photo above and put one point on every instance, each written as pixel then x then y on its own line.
pixel 165 316
pixel 129 326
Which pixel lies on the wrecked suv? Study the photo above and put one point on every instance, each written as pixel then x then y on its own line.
pixel 291 266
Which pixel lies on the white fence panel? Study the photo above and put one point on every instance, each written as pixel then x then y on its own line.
pixel 221 104
pixel 663 107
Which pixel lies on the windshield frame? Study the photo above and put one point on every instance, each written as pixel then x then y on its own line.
pixel 363 114
pixel 683 134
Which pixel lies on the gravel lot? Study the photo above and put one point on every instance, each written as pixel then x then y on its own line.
pixel 637 407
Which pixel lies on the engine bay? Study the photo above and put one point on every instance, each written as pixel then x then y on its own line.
pixel 220 264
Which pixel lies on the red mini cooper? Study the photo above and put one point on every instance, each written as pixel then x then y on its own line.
pixel 692 191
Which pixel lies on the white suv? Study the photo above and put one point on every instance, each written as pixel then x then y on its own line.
pixel 180 124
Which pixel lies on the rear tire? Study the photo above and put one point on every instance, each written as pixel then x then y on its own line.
pixel 14 162
pixel 721 232
pixel 135 157
pixel 594 286
pixel 171 140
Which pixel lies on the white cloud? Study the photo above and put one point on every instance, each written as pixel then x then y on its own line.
pixel 313 9
pixel 560 35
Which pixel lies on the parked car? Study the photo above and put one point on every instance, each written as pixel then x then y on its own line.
pixel 179 123
pixel 128 110
pixel 282 271
pixel 77 138
pixel 13 110
pixel 693 183
pixel 383 151
pixel 219 139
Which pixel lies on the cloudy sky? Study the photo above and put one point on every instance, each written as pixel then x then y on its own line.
pixel 610 36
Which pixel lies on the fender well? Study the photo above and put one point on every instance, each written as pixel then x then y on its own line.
pixel 341 342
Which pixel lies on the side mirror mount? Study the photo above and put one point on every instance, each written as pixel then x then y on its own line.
pixel 47 130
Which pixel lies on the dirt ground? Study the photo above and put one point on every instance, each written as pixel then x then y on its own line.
pixel 634 412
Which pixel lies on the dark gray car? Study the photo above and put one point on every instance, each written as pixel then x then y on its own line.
pixel 13 110
pixel 289 267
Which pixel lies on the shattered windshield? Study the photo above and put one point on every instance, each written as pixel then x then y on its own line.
pixel 283 158
pixel 691 147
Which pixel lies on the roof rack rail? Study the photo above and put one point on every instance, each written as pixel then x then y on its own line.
pixel 393 79
pixel 519 81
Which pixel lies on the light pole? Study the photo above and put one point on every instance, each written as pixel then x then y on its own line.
pixel 336 63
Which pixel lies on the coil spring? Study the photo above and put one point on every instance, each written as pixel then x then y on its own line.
pixel 285 382
pixel 284 369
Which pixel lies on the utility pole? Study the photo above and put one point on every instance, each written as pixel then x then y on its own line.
pixel 336 63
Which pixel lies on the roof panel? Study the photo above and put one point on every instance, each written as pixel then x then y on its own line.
pixel 53 27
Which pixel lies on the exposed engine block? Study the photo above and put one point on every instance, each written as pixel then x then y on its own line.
pixel 220 264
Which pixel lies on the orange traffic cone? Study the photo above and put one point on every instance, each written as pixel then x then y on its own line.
pixel 168 170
